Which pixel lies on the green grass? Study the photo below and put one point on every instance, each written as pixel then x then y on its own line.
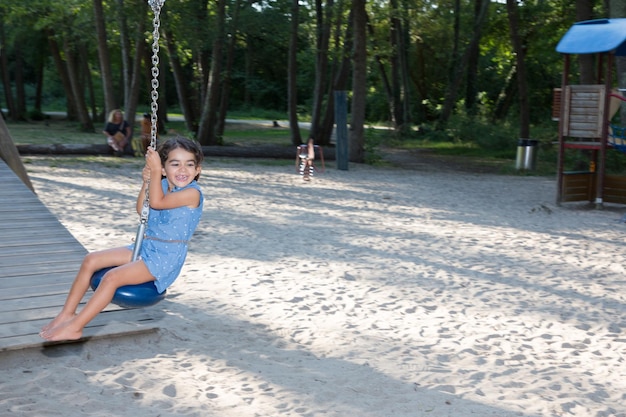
pixel 251 134
pixel 58 131
pixel 482 145
pixel 52 131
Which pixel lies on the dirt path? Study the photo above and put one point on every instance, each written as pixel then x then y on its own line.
pixel 424 160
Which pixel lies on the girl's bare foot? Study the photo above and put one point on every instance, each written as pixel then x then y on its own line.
pixel 61 318
pixel 64 331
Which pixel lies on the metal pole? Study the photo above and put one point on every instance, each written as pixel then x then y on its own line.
pixel 138 240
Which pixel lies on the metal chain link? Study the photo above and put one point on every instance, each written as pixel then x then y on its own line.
pixel 156 6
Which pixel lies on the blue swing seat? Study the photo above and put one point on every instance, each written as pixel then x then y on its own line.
pixel 130 296
pixel 617 138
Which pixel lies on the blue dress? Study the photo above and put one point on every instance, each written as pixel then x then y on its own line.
pixel 164 246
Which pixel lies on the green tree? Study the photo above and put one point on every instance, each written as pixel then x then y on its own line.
pixel 292 65
pixel 105 61
pixel 520 57
pixel 356 149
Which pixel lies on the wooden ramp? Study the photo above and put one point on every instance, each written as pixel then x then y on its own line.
pixel 38 261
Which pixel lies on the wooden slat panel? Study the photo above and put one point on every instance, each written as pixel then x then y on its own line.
pixel 578 187
pixel 584 111
pixel 556 104
pixel 38 261
pixel 614 189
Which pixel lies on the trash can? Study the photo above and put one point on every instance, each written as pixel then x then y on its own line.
pixel 526 154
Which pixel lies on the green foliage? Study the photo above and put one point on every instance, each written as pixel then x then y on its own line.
pixel 475 131
pixel 262 35
pixel 256 113
pixel 373 140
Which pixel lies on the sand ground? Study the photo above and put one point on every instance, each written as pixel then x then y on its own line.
pixel 370 292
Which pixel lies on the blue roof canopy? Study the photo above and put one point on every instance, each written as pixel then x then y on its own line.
pixel 595 36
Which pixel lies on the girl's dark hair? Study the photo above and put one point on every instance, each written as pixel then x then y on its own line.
pixel 180 142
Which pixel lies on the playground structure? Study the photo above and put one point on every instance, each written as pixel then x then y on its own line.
pixel 584 114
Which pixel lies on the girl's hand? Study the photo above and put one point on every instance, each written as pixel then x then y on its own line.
pixel 153 160
pixel 145 174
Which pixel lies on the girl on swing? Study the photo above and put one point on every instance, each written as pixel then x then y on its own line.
pixel 176 202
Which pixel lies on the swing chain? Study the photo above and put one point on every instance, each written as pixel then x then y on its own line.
pixel 156 22
pixel 156 6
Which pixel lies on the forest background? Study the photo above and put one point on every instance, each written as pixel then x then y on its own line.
pixel 478 72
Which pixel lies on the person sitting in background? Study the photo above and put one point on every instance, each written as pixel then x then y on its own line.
pixel 117 131
pixel 146 132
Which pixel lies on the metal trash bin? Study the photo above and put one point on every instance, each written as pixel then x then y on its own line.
pixel 526 154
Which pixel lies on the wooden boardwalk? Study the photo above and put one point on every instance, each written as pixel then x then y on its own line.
pixel 38 261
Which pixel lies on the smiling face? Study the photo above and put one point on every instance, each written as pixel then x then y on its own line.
pixel 180 168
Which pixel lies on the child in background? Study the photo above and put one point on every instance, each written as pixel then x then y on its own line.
pixel 307 156
pixel 146 132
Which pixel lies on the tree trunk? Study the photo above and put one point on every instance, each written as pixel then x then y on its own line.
pixel 418 76
pixel 135 80
pixel 292 76
pixel 520 55
pixel 84 65
pixel 471 90
pixel 39 86
pixel 584 11
pixel 403 43
pixel 505 98
pixel 341 74
pixel 125 46
pixel 385 78
pixel 323 25
pixel 453 86
pixel 20 92
pixel 356 149
pixel 226 82
pixel 456 39
pixel 77 89
pixel 63 75
pixel 394 28
pixel 6 77
pixel 105 61
pixel 207 128
pixel 401 109
pixel 180 80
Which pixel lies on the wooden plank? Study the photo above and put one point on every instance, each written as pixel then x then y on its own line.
pixel 582 145
pixel 614 189
pixel 47 300
pixel 43 240
pixel 64 258
pixel 556 104
pixel 50 230
pixel 106 325
pixel 38 261
pixel 35 281
pixel 34 292
pixel 42 250
pixel 584 111
pixel 585 119
pixel 578 186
